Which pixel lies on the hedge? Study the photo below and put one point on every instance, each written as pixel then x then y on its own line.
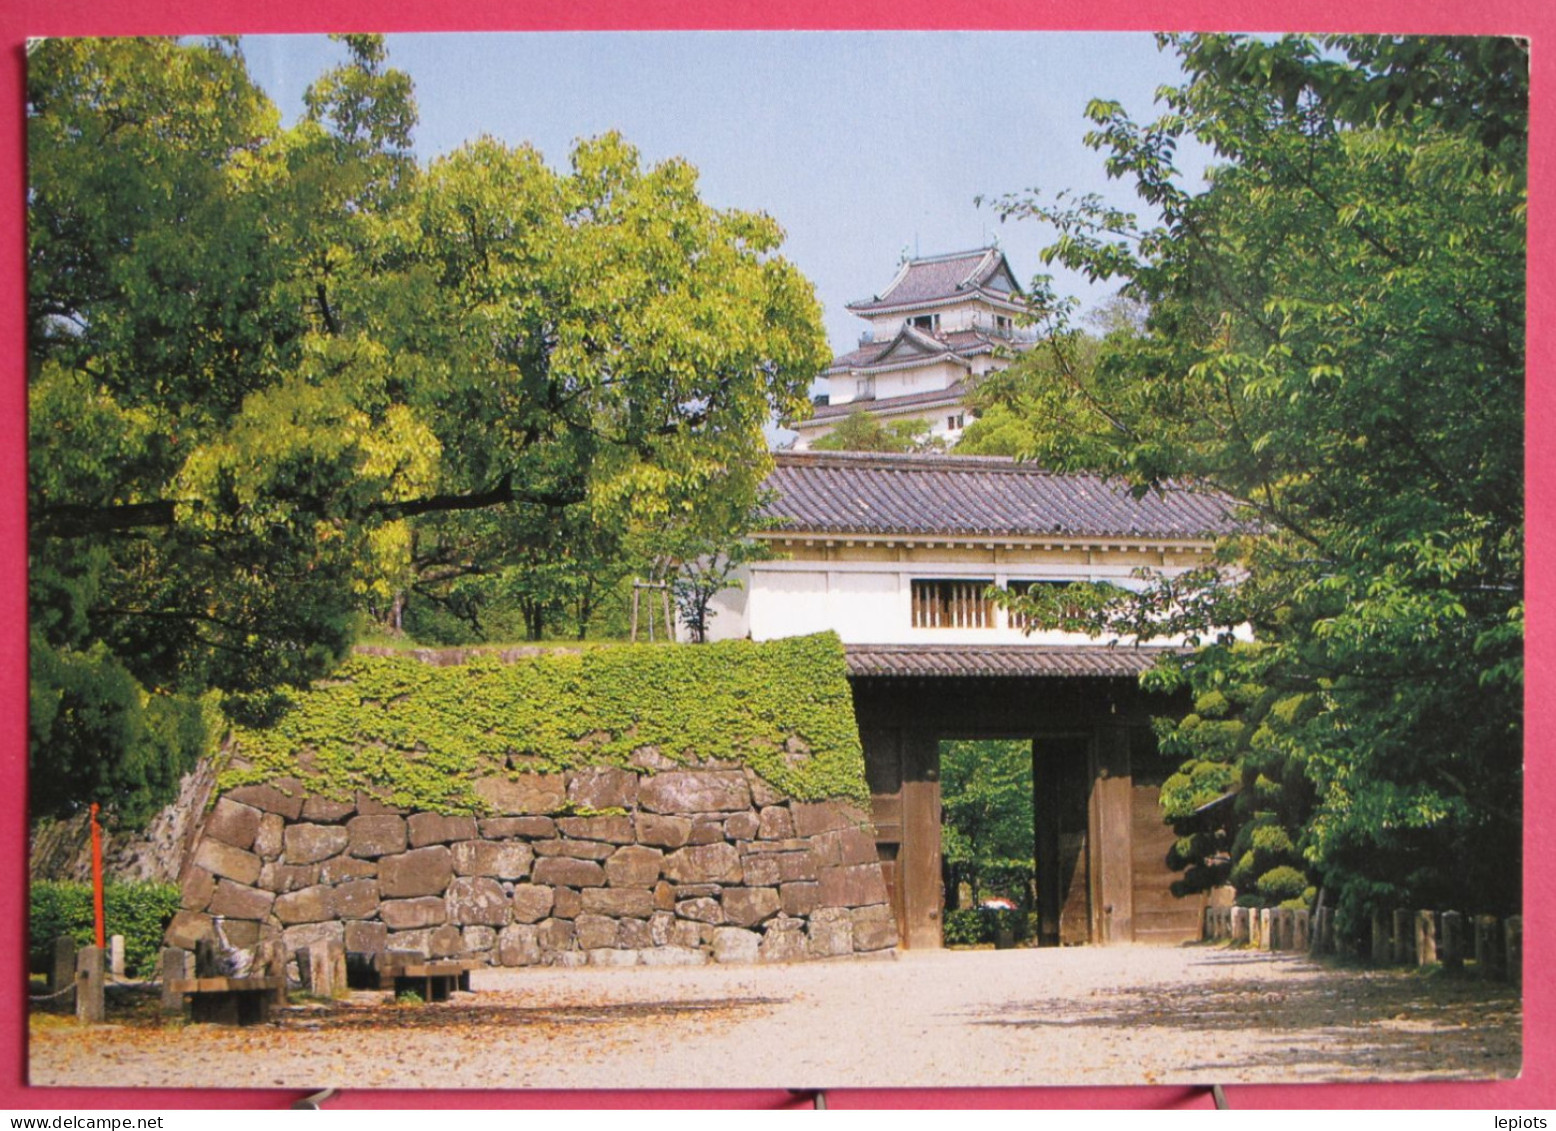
pixel 138 911
pixel 418 736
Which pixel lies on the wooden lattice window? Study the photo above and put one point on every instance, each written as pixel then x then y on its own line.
pixel 953 604
pixel 1020 620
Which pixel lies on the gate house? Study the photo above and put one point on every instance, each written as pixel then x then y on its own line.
pixel 895 553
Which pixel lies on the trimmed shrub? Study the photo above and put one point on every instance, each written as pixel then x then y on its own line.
pixel 138 911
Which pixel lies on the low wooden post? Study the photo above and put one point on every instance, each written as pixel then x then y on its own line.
pixel 1302 924
pixel 1382 946
pixel 1489 952
pixel 64 973
pixel 1450 948
pixel 116 955
pixel 1266 929
pixel 272 964
pixel 1513 929
pixel 174 964
pixel 327 968
pixel 1426 938
pixel 1404 937
pixel 1239 924
pixel 91 1006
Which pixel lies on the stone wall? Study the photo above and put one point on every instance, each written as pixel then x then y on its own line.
pixel 659 864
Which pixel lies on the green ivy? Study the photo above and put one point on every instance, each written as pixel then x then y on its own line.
pixel 138 911
pixel 418 736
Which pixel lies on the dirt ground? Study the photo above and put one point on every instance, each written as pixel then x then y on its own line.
pixel 1191 1015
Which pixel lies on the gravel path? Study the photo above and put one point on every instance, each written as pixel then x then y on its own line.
pixel 1191 1015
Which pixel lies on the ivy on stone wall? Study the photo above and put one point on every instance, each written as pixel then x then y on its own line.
pixel 418 736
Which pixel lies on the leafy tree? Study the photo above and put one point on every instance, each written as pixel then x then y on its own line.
pixel 282 376
pixel 987 835
pixel 862 432
pixel 1334 338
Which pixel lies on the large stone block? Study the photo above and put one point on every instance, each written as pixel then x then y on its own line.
pixel 421 871
pixel 282 878
pixel 479 939
pixel 234 823
pixel 283 796
pixel 355 900
pixel 775 823
pixel 304 935
pixel 701 910
pixel 363 937
pixel 853 885
pixel 506 860
pixel 634 865
pixel 555 934
pixel 435 828
pixel 579 849
pixel 309 844
pixel 695 791
pixel 662 831
pixel 812 818
pixel 704 864
pixel 636 903
pixel 611 830
pixel 431 942
pixel 784 942
pixel 310 905
pixel 325 810
pixel 241 933
pixel 531 902
pixel 344 868
pixel 706 830
pixel 794 866
pixel 742 826
pixel 763 793
pixel 830 933
pixel 799 899
pixel 413 914
pixel 664 896
pixel 634 934
pixel 875 928
pixel 530 828
pixel 477 900
pixel 760 870
pixel 272 830
pixel 856 846
pixel 197 888
pixel 613 956
pixel 746 907
pixel 566 871
pixel 595 931
pixel 370 806
pixel 733 944
pixel 525 795
pixel 519 945
pixel 186 929
pixel 372 835
pixel 224 860
pixel 566 904
pixel 603 787
pixel 235 901
pixel 673 956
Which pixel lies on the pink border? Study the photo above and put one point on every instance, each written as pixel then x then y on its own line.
pixel 1532 18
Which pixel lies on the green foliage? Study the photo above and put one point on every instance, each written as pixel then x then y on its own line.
pixel 417 735
pixel 987 830
pixel 1334 337
pixel 862 432
pixel 973 926
pixel 138 911
pixel 282 376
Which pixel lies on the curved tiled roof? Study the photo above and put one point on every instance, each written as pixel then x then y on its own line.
pixel 981 661
pixel 936 278
pixel 885 406
pixel 872 493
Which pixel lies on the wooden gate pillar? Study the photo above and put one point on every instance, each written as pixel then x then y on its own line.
pixel 1110 838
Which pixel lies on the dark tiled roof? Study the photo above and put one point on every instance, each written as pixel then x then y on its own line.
pixel 999 660
pixel 962 343
pixel 871 493
pixel 936 278
pixel 948 395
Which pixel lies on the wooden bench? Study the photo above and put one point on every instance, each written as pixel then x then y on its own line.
pixel 433 980
pixel 228 1001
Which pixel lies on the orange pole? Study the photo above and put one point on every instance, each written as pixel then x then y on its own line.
pixel 97 876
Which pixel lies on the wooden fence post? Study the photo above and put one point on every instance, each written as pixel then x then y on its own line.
pixel 64 973
pixel 1426 938
pixel 1451 947
pixel 1381 945
pixel 91 1006
pixel 174 964
pixel 1489 952
pixel 1239 924
pixel 116 955
pixel 1302 930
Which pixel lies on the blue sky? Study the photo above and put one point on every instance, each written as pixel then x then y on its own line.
pixel 862 145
